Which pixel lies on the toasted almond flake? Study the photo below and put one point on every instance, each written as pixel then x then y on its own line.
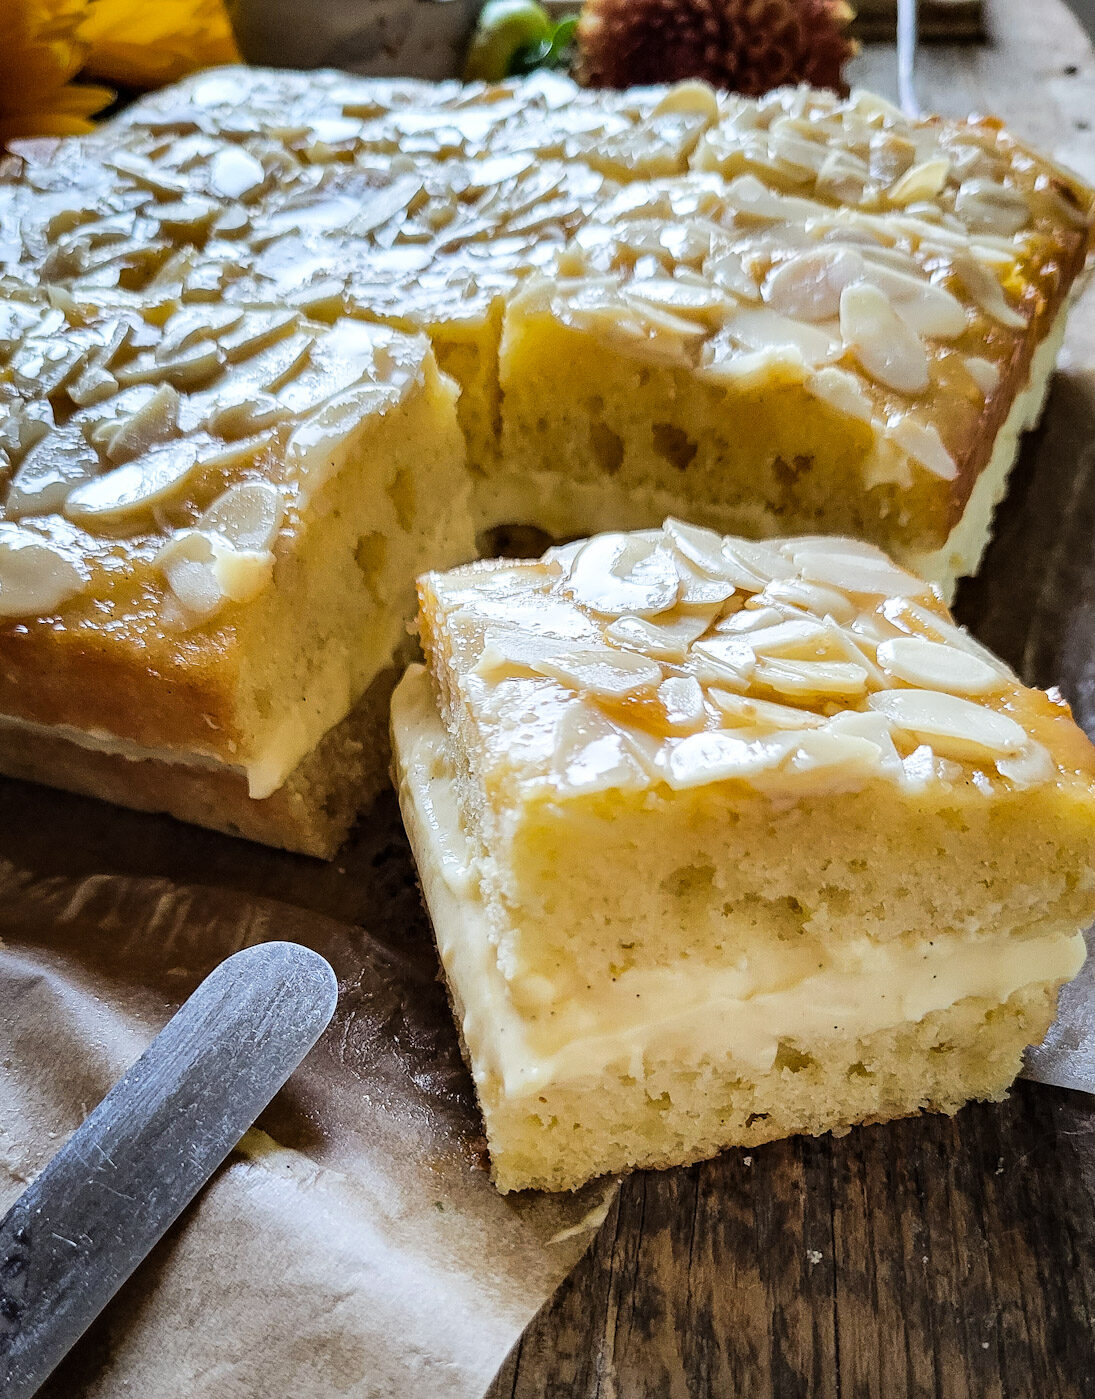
pixel 723 659
pixel 743 711
pixel 884 345
pixel 761 328
pixel 248 515
pixel 906 613
pixel 57 463
pixel 36 578
pixel 955 727
pixel 601 671
pixel 984 287
pixel 716 757
pixel 923 181
pixel 812 678
pixel 152 479
pixel 205 571
pixel 807 286
pixel 592 755
pixel 986 206
pixel 812 597
pixel 876 728
pixel 681 697
pixel 749 619
pixel 984 373
pixel 817 751
pixel 921 441
pixel 798 637
pixel 1030 767
pixel 234 173
pixel 155 420
pixel 666 639
pixel 842 391
pixel 854 574
pixel 930 665
pixel 617 574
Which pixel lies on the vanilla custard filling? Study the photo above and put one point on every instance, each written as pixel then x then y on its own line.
pixel 693 1012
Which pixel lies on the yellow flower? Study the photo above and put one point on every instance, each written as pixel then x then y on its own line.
pixel 41 51
pixel 146 43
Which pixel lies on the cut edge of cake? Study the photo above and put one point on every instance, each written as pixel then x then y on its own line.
pixel 651 1092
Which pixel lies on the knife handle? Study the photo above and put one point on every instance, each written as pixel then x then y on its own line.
pixel 127 1173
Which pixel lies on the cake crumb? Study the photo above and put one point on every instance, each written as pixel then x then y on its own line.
pixel 814 1255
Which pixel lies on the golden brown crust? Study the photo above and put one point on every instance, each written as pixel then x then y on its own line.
pixel 1044 299
pixel 310 814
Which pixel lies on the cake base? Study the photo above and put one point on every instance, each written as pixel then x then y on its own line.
pixel 517 494
pixel 671 1084
pixel 310 813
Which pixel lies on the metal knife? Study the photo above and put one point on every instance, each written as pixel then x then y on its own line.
pixel 1066 1057
pixel 124 1177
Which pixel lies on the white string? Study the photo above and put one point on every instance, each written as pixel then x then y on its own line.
pixel 907 36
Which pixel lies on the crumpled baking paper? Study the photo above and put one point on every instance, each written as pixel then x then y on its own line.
pixel 354 1244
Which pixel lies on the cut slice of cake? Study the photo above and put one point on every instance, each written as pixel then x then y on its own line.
pixel 840 322
pixel 724 841
pixel 209 533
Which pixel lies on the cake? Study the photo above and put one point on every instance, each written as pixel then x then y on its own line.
pixel 211 528
pixel 726 840
pixel 796 314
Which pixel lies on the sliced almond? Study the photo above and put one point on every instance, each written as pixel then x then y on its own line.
pixel 717 757
pixel 50 470
pixel 664 639
pixel 931 665
pixel 248 515
pixel 956 727
pixel 591 754
pixel 616 574
pixel 887 349
pixel 36 577
pixel 921 442
pixel 681 697
pixel 811 679
pixel 602 672
pixel 155 478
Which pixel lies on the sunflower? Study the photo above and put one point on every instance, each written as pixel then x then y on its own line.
pixel 41 51
pixel 146 43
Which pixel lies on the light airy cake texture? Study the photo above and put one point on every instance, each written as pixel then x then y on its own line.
pixel 795 313
pixel 727 840
pixel 208 545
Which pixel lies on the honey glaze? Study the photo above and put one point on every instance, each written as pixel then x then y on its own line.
pixel 676 656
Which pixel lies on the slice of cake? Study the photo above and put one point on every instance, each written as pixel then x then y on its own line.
pixel 210 526
pixel 724 841
pixel 840 322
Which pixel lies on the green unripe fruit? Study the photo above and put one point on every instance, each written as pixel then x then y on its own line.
pixel 505 28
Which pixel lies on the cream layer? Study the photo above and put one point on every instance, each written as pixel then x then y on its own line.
pixel 693 1012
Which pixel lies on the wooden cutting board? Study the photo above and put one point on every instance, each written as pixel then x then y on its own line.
pixel 937 1258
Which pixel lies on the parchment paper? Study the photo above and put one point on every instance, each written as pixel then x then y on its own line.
pixel 354 1246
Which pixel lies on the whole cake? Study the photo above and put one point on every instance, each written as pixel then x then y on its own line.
pixel 726 840
pixel 795 314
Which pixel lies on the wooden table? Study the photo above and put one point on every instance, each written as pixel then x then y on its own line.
pixel 951 1258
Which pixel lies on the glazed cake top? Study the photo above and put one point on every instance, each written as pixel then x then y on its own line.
pixel 151 468
pixel 880 256
pixel 677 658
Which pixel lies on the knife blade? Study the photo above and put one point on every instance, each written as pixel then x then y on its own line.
pixel 110 1194
pixel 1066 1057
